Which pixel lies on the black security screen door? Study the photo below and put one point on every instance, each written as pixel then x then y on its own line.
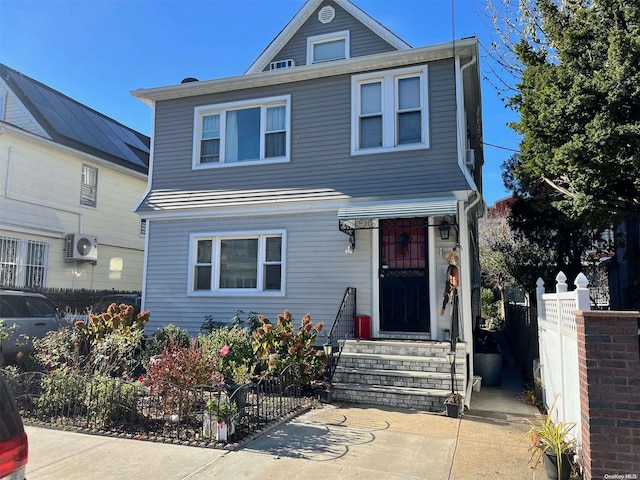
pixel 404 297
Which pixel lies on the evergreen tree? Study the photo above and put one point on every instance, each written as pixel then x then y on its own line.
pixel 579 104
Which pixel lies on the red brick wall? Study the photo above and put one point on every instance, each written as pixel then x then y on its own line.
pixel 609 369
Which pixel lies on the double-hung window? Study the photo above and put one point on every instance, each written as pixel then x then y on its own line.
pixel 389 111
pixel 89 186
pixel 242 132
pixel 238 263
pixel 324 48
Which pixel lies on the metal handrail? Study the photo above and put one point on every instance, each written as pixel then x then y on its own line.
pixel 342 328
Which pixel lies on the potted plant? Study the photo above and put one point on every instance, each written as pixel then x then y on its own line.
pixel 324 391
pixel 552 444
pixel 453 403
pixel 219 418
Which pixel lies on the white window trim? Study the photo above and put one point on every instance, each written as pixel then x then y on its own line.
pixel 312 41
pixel 215 267
pixel 263 103
pixel 94 187
pixel 389 81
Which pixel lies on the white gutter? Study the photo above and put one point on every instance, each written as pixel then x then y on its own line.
pixel 387 60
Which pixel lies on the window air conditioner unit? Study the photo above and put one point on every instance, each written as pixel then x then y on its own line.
pixel 80 246
pixel 470 159
pixel 280 64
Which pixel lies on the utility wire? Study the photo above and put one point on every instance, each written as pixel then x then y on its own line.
pixel 500 146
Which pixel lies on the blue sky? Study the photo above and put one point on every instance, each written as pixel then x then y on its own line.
pixel 97 51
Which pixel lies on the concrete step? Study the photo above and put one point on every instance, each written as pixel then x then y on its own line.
pixel 397 378
pixel 397 373
pixel 415 398
pixel 401 347
pixel 399 362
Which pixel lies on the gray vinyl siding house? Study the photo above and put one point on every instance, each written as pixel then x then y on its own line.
pixel 375 149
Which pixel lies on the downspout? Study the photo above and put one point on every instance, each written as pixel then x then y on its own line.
pixel 145 255
pixel 7 181
pixel 467 327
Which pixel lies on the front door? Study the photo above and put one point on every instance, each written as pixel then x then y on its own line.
pixel 404 297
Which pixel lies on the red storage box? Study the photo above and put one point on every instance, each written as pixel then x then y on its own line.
pixel 362 328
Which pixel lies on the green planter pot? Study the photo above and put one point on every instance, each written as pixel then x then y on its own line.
pixel 551 466
pixel 489 367
pixel 454 410
pixel 238 393
pixel 325 396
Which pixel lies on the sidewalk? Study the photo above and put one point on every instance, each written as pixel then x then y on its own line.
pixel 330 442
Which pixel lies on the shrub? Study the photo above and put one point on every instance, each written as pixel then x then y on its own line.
pixel 116 353
pixel 188 366
pixel 236 359
pixel 110 400
pixel 60 349
pixel 113 339
pixel 222 408
pixel 174 374
pixel 277 348
pixel 161 339
pixel 120 318
pixel 62 394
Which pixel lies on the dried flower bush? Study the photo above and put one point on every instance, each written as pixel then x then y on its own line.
pixel 278 347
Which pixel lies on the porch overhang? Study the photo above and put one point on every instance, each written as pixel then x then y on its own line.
pixel 359 217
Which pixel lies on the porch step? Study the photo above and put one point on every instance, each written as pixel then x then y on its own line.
pixel 398 378
pixel 427 399
pixel 399 362
pixel 402 347
pixel 400 373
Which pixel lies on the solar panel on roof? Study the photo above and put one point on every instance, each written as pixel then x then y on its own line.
pixel 81 124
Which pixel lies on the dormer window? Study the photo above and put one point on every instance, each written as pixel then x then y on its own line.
pixel 324 48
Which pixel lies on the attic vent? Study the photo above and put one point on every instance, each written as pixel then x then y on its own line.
pixel 326 14
pixel 290 63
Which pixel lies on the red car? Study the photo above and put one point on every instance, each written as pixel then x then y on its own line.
pixel 14 447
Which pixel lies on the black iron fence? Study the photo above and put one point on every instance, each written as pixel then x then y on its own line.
pixel 159 412
pixel 521 323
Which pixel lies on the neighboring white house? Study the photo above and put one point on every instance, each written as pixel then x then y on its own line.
pixel 69 180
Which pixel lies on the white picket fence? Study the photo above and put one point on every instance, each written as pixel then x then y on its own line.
pixel 558 346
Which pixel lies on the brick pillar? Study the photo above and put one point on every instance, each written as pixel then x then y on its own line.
pixel 609 369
